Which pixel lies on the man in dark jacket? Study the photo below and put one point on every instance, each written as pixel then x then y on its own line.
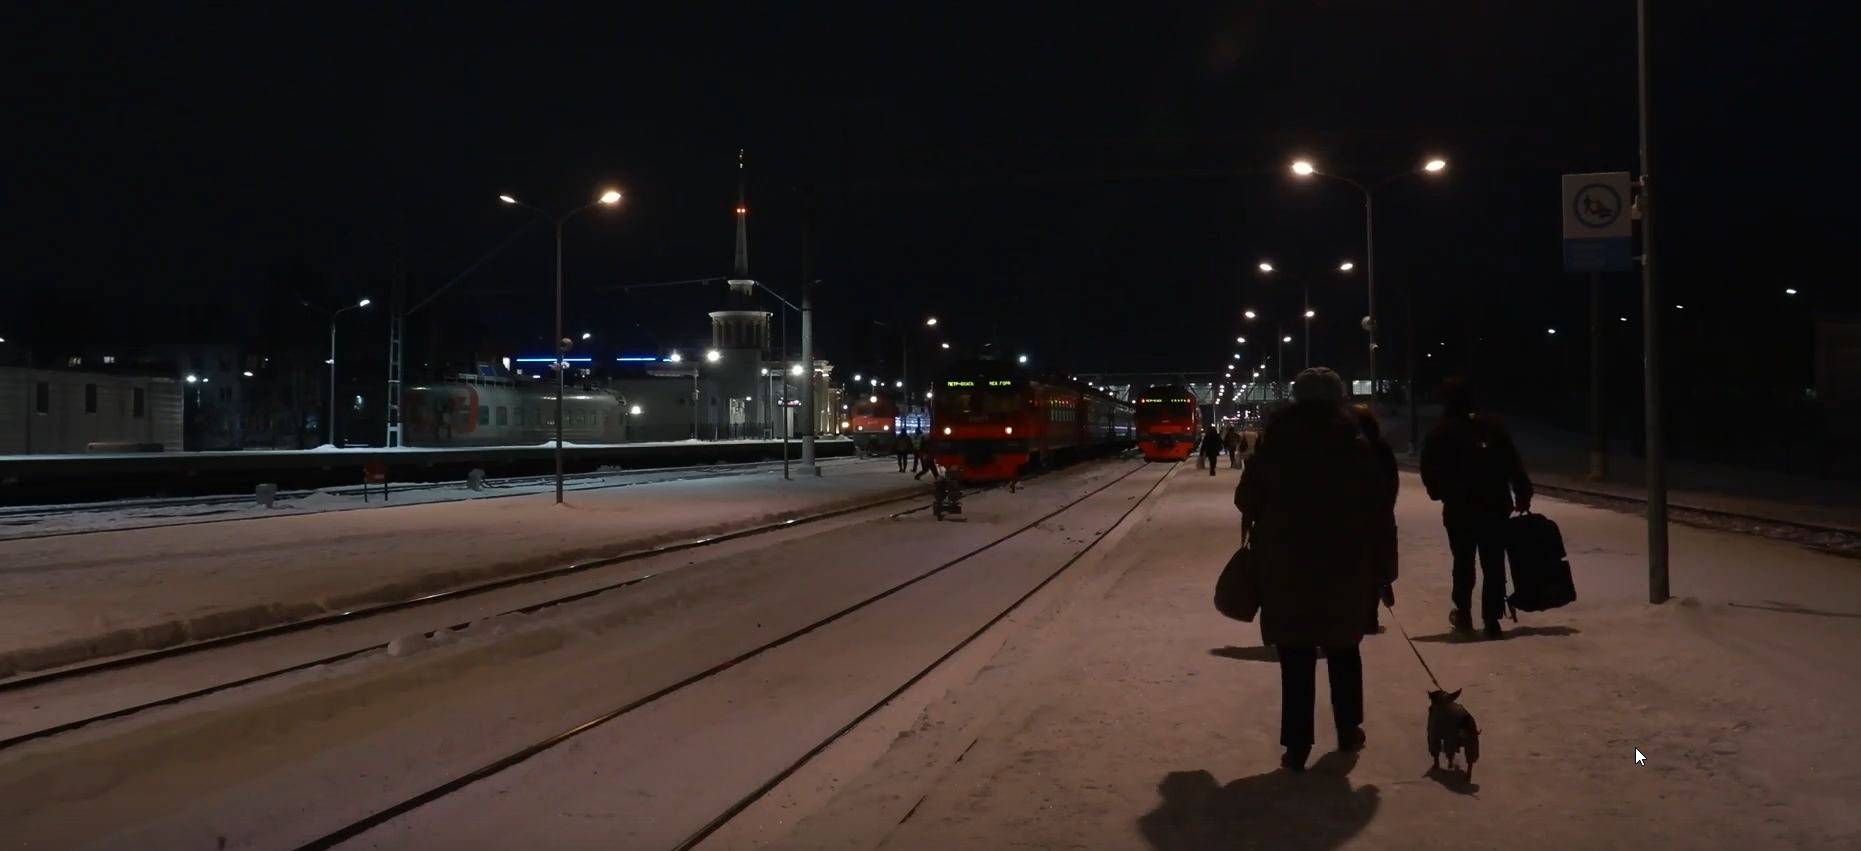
pixel 1211 447
pixel 1471 467
pixel 1308 499
pixel 902 448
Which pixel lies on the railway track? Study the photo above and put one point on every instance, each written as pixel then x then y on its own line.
pixel 358 827
pixel 27 682
pixel 1833 539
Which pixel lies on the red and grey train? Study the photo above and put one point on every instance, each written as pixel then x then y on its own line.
pixel 1169 422
pixel 990 420
pixel 480 411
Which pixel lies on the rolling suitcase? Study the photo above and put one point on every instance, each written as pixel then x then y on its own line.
pixel 1540 568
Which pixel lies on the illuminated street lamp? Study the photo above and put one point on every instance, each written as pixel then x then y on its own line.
pixel 713 356
pixel 931 321
pixel 1021 359
pixel 608 198
pixel 329 430
pixel 676 357
pixel 1249 314
pixel 1304 168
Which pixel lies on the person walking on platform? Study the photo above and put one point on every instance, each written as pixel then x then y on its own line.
pixel 1232 440
pixel 902 448
pixel 1211 448
pixel 927 462
pixel 917 454
pixel 1471 467
pixel 1389 483
pixel 1308 499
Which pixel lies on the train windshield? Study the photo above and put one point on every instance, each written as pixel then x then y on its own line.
pixel 1164 405
pixel 987 397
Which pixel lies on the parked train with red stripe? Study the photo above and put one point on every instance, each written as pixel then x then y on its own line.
pixel 1169 422
pixel 990 419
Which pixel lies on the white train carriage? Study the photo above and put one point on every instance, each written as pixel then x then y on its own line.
pixel 478 411
pixel 60 411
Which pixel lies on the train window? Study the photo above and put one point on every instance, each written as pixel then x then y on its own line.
pixel 42 397
pixel 137 403
pixel 516 416
pixel 503 415
pixel 484 415
pixel 90 398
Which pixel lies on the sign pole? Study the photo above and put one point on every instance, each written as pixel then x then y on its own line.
pixel 1599 441
pixel 1651 343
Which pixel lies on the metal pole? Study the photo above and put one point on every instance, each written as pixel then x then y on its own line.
pixel 694 401
pixel 785 428
pixel 1651 344
pixel 807 335
pixel 1415 384
pixel 1599 444
pixel 330 428
pixel 1305 290
pixel 561 367
pixel 1369 250
pixel 1279 335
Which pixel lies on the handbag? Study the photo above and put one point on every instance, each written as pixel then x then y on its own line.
pixel 1237 591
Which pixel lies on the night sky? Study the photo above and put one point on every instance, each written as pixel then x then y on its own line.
pixel 1090 182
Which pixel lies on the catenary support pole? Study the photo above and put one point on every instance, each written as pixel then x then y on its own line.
pixel 1599 443
pixel 1651 344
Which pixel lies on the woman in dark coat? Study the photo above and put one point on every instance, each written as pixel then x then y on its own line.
pixel 1390 482
pixel 1308 500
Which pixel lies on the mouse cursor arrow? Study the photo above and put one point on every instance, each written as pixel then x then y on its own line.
pixel 1639 758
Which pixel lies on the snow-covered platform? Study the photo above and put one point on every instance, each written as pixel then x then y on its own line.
pixel 1128 714
pixel 68 599
pixel 68 478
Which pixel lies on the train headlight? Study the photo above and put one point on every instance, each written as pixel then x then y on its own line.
pixel 1011 429
pixel 946 429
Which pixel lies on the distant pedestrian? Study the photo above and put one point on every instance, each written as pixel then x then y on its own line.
pixel 902 448
pixel 917 455
pixel 927 461
pixel 1389 481
pixel 1471 467
pixel 1308 500
pixel 1233 442
pixel 1211 448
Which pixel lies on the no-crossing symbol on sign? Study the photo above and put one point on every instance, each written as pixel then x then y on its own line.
pixel 1598 223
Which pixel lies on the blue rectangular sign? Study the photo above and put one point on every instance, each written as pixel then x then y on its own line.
pixel 1599 255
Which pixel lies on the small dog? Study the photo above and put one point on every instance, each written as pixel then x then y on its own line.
pixel 1451 728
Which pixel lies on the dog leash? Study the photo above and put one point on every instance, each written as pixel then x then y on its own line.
pixel 1418 654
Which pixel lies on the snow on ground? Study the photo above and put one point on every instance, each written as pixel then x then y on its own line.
pixel 66 599
pixel 35 521
pixel 275 765
pixel 377 450
pixel 1141 719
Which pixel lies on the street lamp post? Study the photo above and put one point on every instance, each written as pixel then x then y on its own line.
pixel 1304 168
pixel 608 198
pixel 329 428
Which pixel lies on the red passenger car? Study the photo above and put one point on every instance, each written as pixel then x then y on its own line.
pixel 1168 422
pixel 990 420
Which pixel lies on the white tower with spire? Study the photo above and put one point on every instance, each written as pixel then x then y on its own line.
pixel 740 334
